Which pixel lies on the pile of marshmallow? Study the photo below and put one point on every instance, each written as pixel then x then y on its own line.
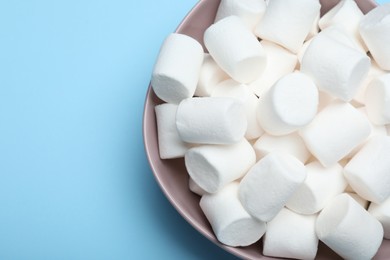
pixel 282 124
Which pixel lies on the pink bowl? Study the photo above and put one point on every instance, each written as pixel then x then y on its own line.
pixel 172 176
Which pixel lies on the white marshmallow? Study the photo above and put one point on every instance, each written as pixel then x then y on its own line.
pixel 362 202
pixel 320 60
pixel 291 235
pixel 211 120
pixel 314 28
pixel 210 75
pixel 302 50
pixel 195 188
pixel 368 171
pixel 378 100
pixel 288 105
pixel 249 11
pixel 382 213
pixel 235 49
pixel 288 22
pixel 348 229
pixel 231 88
pixel 176 72
pixel 232 225
pixel 375 31
pixel 169 142
pixel 291 144
pixel 280 62
pixel 267 186
pixel 334 132
pixel 214 166
pixel 348 15
pixel 320 186
pixel 339 33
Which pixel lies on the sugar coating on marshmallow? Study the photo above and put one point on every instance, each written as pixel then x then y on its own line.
pixel 176 72
pixel 320 186
pixel 169 142
pixel 213 166
pixel 249 11
pixel 268 185
pixel 348 229
pixel 291 235
pixel 235 49
pixel 288 22
pixel 231 88
pixel 377 100
pixel 195 188
pixel 382 213
pixel 334 132
pixel 288 105
pixel 368 171
pixel 210 75
pixel 375 31
pixel 291 144
pixel 231 224
pixel 211 120
pixel 335 67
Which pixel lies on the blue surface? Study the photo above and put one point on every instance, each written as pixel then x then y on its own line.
pixel 74 179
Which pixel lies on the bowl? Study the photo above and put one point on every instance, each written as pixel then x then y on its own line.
pixel 172 176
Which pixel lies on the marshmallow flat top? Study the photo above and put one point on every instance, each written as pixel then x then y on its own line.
pixel 377 100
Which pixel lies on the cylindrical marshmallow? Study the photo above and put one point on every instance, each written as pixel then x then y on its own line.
pixel 368 171
pixel 235 49
pixel 348 229
pixel 288 105
pixel 249 11
pixel 291 235
pixel 268 185
pixel 320 186
pixel 210 75
pixel 213 166
pixel 169 142
pixel 362 202
pixel 280 62
pixel 335 68
pixel 347 15
pixel 211 120
pixel 377 100
pixel 375 31
pixel 195 187
pixel 288 22
pixel 231 224
pixel 291 144
pixel 231 88
pixel 334 132
pixel 176 72
pixel 382 213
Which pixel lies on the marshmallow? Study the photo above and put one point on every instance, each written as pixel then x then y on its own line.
pixel 320 186
pixel 213 166
pixel 231 88
pixel 302 50
pixel 347 15
pixel 288 105
pixel 334 132
pixel 176 72
pixel 249 11
pixel 291 235
pixel 382 213
pixel 169 142
pixel 375 31
pixel 195 187
pixel 378 100
pixel 368 171
pixel 235 49
pixel 288 22
pixel 280 62
pixel 231 224
pixel 210 75
pixel 339 33
pixel 362 202
pixel 348 229
pixel 267 186
pixel 211 120
pixel 335 68
pixel 291 144
pixel 314 28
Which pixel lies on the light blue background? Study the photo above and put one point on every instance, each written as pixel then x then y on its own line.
pixel 74 179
